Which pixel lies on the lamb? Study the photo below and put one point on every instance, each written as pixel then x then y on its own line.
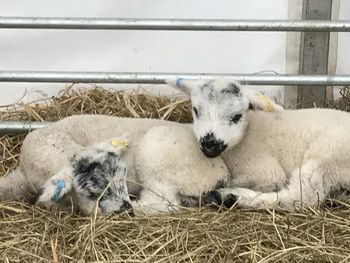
pixel 173 174
pixel 283 158
pixel 168 174
pixel 95 176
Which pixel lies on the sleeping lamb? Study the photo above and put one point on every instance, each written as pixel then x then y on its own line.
pixel 283 158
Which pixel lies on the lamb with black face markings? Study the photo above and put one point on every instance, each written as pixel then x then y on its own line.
pixel 165 167
pixel 282 158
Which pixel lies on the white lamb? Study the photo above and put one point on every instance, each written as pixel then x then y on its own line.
pixel 283 158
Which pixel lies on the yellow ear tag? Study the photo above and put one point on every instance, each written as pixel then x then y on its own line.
pixel 116 143
pixel 268 102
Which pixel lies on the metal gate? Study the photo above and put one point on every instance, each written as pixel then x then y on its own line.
pixel 307 26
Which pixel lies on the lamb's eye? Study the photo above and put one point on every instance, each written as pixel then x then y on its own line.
pixel 235 119
pixel 195 111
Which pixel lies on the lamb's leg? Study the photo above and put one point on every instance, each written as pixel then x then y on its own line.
pixel 153 201
pixel 13 185
pixel 43 154
pixel 307 186
pixel 150 203
pixel 56 186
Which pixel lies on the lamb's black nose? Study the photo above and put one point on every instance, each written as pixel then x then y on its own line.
pixel 210 146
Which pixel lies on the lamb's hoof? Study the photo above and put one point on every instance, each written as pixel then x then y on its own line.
pixel 230 200
pixel 214 198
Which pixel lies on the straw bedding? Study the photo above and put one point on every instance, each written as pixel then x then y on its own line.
pixel 31 234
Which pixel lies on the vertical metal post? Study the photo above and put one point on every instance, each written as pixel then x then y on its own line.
pixel 314 51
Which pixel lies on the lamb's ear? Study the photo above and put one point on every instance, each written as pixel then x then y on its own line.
pixel 121 144
pixel 258 101
pixel 186 85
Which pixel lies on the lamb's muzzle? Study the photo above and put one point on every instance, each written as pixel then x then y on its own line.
pixel 211 146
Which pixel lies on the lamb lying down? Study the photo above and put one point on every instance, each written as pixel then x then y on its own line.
pixel 279 159
pixel 95 179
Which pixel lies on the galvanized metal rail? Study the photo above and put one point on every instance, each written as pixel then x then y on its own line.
pixel 174 24
pixel 160 78
pixel 12 127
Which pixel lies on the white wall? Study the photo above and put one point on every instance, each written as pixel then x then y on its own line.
pixel 148 51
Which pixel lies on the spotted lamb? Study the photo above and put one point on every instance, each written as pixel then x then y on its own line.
pixel 282 158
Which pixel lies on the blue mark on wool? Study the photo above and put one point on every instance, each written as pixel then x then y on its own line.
pixel 59 186
pixel 179 82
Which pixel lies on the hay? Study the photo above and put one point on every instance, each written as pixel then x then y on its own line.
pixel 31 234
pixel 100 101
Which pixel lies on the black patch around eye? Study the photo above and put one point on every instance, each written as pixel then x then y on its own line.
pixel 235 119
pixel 195 111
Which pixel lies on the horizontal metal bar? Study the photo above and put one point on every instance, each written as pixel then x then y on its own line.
pixel 173 24
pixel 10 127
pixel 159 78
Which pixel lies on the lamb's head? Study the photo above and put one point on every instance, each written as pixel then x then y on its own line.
pixel 94 176
pixel 219 113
